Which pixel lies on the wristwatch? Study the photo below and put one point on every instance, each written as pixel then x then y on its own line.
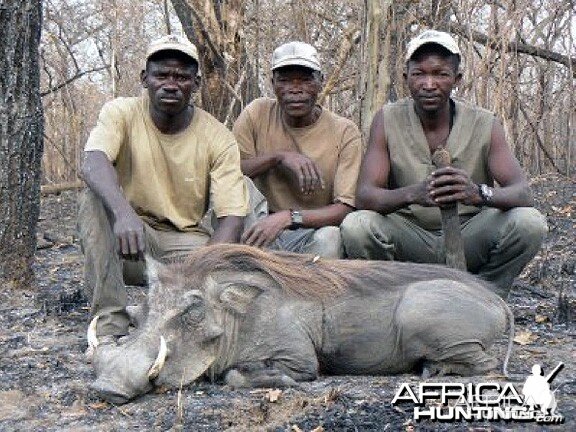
pixel 296 218
pixel 486 193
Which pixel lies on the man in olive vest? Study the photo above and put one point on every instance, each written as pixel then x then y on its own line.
pixel 402 191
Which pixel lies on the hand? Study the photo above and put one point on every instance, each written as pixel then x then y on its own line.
pixel 305 169
pixel 421 193
pixel 266 230
pixel 450 185
pixel 128 229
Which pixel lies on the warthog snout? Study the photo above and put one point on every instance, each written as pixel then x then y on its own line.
pixel 111 391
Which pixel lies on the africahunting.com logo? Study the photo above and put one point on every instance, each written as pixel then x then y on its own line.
pixel 485 401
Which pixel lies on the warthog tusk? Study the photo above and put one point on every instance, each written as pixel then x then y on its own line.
pixel 91 334
pixel 159 362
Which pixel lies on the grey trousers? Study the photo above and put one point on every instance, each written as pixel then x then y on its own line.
pixel 497 244
pixel 105 272
pixel 325 242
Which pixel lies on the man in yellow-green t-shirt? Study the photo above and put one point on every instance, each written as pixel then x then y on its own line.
pixel 153 164
pixel 302 157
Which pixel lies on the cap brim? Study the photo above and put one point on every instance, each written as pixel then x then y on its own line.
pixel 297 62
pixel 412 50
pixel 172 47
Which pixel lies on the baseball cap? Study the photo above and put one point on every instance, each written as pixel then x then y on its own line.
pixel 296 54
pixel 432 37
pixel 173 43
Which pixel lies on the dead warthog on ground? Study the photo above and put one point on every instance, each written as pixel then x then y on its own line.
pixel 256 318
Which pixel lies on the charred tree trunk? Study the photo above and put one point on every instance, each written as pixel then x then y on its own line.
pixel 21 129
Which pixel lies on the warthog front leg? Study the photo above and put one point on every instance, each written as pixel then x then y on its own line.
pixel 265 374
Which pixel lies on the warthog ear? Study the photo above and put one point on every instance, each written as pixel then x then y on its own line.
pixel 152 269
pixel 238 297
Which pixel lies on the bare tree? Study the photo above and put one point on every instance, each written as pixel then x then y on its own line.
pixel 20 137
pixel 518 61
pixel 216 29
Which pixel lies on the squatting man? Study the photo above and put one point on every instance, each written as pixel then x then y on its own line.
pixel 153 164
pixel 401 191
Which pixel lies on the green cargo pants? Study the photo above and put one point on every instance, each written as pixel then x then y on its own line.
pixel 497 244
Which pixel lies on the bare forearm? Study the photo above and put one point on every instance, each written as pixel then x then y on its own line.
pixel 101 178
pixel 253 167
pixel 384 200
pixel 330 215
pixel 228 231
pixel 517 195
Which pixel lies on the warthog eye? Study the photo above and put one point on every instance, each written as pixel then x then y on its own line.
pixel 193 315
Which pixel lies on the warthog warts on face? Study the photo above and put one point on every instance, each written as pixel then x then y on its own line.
pixel 255 318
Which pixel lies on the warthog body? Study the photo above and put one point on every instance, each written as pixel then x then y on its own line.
pixel 255 318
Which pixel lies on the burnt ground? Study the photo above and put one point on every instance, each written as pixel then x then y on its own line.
pixel 44 377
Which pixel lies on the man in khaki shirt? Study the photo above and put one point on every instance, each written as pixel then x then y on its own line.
pixel 303 158
pixel 152 165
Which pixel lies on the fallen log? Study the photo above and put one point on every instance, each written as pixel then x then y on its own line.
pixel 61 187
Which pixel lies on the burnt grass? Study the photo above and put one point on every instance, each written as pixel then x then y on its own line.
pixel 44 377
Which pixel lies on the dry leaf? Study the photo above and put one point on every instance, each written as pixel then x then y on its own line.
pixel 318 429
pixel 295 428
pixel 541 319
pixel 99 405
pixel 273 395
pixel 332 395
pixel 525 338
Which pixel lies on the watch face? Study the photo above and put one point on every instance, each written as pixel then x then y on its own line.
pixel 296 217
pixel 487 192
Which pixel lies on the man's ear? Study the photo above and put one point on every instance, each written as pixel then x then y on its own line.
pixel 143 76
pixel 458 79
pixel 197 81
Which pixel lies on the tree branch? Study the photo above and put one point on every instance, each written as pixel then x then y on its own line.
pixel 515 46
pixel 72 79
pixel 538 139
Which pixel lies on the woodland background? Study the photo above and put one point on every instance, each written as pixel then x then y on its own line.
pixel 518 60
pixel 60 60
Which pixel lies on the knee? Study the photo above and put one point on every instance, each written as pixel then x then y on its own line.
pixel 329 242
pixel 529 224
pixel 356 226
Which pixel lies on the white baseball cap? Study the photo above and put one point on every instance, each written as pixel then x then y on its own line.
pixel 173 43
pixel 296 54
pixel 432 37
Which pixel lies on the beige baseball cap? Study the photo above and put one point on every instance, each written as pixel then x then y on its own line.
pixel 173 43
pixel 432 37
pixel 296 54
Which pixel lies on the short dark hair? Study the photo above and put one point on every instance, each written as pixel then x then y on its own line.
pixel 173 54
pixel 433 48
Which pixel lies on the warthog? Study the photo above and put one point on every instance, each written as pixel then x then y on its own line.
pixel 255 318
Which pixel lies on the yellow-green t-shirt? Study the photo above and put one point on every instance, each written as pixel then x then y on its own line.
pixel 170 179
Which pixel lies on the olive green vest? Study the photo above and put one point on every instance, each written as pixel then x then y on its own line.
pixel 411 160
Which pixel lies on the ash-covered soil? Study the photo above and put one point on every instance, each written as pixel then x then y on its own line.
pixel 44 376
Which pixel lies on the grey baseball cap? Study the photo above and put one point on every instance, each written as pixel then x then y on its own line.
pixel 296 54
pixel 432 37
